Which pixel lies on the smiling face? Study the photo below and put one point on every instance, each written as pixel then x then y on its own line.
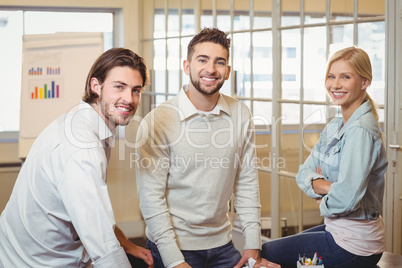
pixel 208 68
pixel 119 95
pixel 345 87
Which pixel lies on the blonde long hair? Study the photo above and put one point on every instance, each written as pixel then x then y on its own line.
pixel 360 62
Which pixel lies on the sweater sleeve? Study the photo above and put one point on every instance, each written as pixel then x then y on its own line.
pixel 152 175
pixel 246 190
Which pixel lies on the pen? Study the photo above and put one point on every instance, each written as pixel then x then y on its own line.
pixel 314 261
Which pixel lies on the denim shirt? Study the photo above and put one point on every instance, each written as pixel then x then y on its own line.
pixel 353 158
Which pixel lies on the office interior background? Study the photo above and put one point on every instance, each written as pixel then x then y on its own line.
pixel 278 57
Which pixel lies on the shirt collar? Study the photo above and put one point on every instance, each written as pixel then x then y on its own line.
pixel 98 124
pixel 188 109
pixel 363 109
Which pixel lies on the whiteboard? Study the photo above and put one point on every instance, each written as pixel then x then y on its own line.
pixel 54 71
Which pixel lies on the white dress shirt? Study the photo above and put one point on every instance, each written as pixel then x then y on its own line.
pixel 59 213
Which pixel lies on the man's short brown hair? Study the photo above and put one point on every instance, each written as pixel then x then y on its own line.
pixel 113 57
pixel 213 35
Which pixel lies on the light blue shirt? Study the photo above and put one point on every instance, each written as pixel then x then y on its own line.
pixel 353 158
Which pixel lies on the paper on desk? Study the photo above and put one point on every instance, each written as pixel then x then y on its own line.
pixel 250 264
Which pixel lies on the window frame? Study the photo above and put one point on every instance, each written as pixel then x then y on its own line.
pixel 118 40
pixel 277 100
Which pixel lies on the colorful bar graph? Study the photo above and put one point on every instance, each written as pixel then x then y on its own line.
pixel 52 70
pixel 49 90
pixel 35 71
pixel 52 89
pixel 49 71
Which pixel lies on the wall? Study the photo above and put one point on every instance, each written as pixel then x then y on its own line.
pixel 8 175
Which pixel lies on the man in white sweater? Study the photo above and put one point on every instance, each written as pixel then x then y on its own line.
pixel 195 151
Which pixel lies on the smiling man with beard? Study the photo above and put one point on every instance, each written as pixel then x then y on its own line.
pixel 186 207
pixel 59 213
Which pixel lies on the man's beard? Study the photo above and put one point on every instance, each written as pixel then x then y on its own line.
pixel 197 86
pixel 106 110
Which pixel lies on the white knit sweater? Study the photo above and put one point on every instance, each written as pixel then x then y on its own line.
pixel 188 165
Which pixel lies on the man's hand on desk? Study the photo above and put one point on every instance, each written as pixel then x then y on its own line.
pixel 247 254
pixel 265 263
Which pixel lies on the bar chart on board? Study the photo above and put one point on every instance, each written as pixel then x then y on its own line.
pixel 45 89
pixel 45 82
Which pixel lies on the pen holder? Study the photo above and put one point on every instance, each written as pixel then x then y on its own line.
pixel 309 266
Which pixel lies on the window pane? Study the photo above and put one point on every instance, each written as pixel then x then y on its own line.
pixel 159 23
pixel 159 99
pixel 227 86
pixel 262 113
pixel 11 30
pixel 206 14
pixel 173 65
pixel 341 10
pixel 291 64
pixel 314 114
pixel 290 12
pixel 159 66
pixel 241 15
pixel 173 22
pixel 184 44
pixel 372 40
pixel 314 122
pixel 341 36
pixel 289 204
pixel 314 63
pixel 290 142
pixel 314 11
pixel 188 22
pixel 262 14
pixel 248 103
pixel 223 15
pixel 241 63
pixel 262 64
pixel 381 116
pixel 188 18
pixel 370 8
pixel 290 113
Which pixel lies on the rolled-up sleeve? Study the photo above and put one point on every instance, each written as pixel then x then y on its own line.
pixel 359 155
pixel 307 172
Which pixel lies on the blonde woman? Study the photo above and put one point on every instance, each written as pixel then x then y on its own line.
pixel 344 174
